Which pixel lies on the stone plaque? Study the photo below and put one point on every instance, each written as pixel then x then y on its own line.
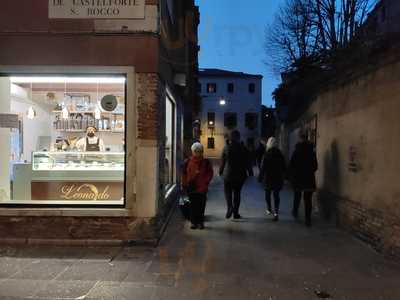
pixel 96 9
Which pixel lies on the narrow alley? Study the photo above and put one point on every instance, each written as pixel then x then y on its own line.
pixel 251 258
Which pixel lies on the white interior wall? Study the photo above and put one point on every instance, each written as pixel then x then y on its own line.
pixel 32 129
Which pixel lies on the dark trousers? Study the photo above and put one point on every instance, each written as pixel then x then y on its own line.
pixel 197 208
pixel 232 196
pixel 277 200
pixel 307 195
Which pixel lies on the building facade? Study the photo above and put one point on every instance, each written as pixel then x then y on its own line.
pixel 129 70
pixel 354 125
pixel 230 100
pixel 383 19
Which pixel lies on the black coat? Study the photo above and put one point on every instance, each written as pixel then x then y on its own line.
pixel 235 164
pixel 303 166
pixel 273 167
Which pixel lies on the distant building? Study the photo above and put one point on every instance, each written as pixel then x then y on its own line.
pixel 384 18
pixel 268 122
pixel 230 100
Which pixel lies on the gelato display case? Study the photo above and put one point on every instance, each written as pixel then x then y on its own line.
pixel 78 161
pixel 74 178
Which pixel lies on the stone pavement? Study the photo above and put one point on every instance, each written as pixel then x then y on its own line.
pixel 252 258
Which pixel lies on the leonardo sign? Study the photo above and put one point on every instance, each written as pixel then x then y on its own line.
pixel 96 9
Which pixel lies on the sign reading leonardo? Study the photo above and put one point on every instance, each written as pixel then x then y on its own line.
pixel 96 9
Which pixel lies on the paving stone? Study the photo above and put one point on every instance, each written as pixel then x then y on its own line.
pixel 66 289
pixel 20 287
pixel 251 259
pixel 117 290
pixel 43 269
pixel 96 271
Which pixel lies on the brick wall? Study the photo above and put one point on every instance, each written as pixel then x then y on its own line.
pixel 31 229
pixel 380 230
pixel 357 149
pixel 148 94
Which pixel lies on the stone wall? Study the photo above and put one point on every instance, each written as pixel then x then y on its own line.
pixel 358 146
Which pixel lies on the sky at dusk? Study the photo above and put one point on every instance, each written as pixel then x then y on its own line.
pixel 231 37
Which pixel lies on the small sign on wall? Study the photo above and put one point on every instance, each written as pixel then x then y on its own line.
pixel 96 9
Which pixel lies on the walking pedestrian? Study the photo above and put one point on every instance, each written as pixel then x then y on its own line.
pixel 260 154
pixel 303 166
pixel 235 167
pixel 272 174
pixel 196 177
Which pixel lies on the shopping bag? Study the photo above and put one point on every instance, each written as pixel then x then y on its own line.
pixel 184 205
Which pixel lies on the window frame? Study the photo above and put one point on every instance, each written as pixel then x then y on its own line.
pixel 229 89
pixel 211 143
pixel 130 142
pixel 252 88
pixel 170 97
pixel 209 85
pixel 247 120
pixel 232 114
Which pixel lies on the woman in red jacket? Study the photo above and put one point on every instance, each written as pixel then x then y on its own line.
pixel 197 174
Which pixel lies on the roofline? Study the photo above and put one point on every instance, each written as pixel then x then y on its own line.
pixel 203 72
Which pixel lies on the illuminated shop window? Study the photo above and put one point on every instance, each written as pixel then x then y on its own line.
pixel 169 142
pixel 66 146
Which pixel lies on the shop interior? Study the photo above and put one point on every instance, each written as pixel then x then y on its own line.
pixel 68 146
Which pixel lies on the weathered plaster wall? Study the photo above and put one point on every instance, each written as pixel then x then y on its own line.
pixel 358 148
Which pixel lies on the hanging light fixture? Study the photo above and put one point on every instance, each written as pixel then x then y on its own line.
pixel 97 113
pixel 31 113
pixel 65 112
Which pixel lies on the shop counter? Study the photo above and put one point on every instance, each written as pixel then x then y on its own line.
pixel 75 177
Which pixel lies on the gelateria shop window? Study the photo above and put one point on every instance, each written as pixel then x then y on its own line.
pixel 169 142
pixel 62 140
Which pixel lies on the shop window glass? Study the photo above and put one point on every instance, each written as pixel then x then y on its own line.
pixel 169 142
pixel 66 145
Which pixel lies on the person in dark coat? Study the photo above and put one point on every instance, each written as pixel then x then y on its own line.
pixel 235 167
pixel 272 174
pixel 260 154
pixel 196 177
pixel 303 166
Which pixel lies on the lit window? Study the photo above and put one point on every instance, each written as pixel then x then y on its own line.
pixel 211 143
pixel 71 133
pixel 211 119
pixel 211 88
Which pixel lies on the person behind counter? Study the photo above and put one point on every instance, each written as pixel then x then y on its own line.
pixel 90 142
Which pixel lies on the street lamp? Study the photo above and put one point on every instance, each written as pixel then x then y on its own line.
pixel 222 101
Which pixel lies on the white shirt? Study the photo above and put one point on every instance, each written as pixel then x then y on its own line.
pixel 81 144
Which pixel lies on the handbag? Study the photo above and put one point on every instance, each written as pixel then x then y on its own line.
pixel 184 205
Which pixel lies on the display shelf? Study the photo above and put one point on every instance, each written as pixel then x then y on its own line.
pixel 88 112
pixel 75 161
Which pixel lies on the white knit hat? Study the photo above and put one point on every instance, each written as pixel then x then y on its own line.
pixel 271 143
pixel 197 147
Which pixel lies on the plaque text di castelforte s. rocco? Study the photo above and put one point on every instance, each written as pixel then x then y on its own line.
pixel 100 9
